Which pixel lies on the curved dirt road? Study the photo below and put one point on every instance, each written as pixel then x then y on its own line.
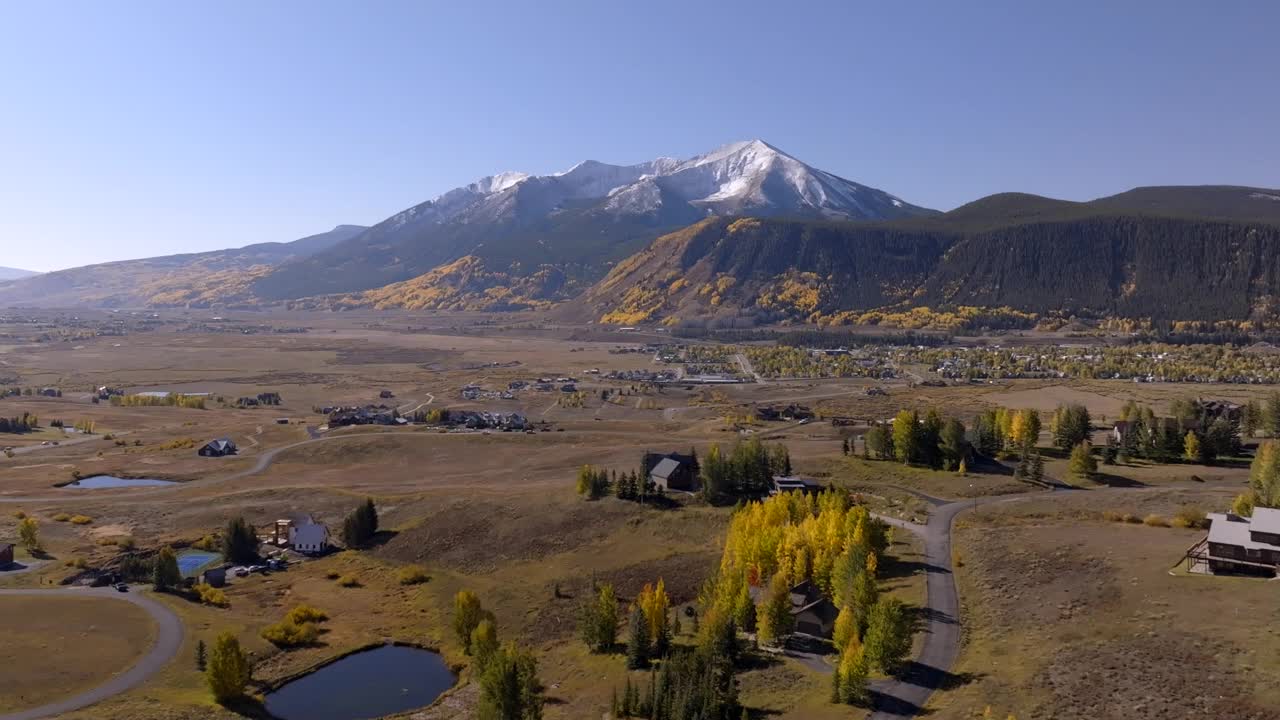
pixel 168 641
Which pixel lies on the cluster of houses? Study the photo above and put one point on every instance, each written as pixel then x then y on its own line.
pixel 364 415
pixel 480 420
pixel 645 376
pixel 475 392
pixel 789 412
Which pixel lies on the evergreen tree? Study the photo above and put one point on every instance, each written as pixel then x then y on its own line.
pixel 240 542
pixel 879 442
pixel 201 656
pixel 637 640
pixel 509 687
pixel 1035 471
pixel 955 447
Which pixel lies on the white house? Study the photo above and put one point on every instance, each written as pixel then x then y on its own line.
pixel 308 536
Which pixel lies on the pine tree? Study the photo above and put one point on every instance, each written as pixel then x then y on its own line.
pixel 240 542
pixel 201 656
pixel 637 640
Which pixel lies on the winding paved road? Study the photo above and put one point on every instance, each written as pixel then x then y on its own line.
pixel 168 641
pixel 906 695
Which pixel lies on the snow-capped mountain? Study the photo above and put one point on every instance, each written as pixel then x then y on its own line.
pixel 749 177
pixel 581 219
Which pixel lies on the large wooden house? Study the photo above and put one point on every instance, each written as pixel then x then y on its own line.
pixel 1240 544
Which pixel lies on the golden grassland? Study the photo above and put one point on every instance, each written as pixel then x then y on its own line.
pixel 58 646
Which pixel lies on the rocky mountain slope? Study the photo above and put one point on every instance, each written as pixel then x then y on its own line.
pixel 1009 254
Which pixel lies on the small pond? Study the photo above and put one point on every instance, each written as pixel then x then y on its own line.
pixel 98 482
pixel 368 684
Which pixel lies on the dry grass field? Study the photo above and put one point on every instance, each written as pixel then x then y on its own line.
pixel 54 647
pixel 1070 616
pixel 1051 592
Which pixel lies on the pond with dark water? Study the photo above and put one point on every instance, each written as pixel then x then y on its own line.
pixel 368 684
pixel 98 482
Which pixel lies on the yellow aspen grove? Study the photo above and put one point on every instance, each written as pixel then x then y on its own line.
pixel 873 564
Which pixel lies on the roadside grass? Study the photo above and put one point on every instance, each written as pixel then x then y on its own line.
pixel 855 472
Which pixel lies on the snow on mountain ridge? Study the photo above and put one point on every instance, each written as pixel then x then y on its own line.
pixel 747 176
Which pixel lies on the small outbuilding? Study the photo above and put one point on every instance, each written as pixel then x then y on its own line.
pixel 6 555
pixel 216 577
pixel 218 448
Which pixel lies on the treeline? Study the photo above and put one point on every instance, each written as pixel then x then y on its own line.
pixel 814 338
pixel 1192 432
pixel 24 423
pixel 928 440
pixel 744 472
pixel 191 402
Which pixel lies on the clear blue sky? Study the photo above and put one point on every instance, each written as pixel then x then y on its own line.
pixel 144 128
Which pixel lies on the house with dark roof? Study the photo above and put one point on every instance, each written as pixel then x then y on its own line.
pixel 218 448
pixel 795 483
pixel 6 555
pixel 671 471
pixel 814 613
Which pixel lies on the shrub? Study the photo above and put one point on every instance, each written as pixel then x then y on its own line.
pixel 1112 516
pixel 208 542
pixel 349 581
pixel 81 520
pixel 126 542
pixel 1190 516
pixel 1154 520
pixel 19 514
pixel 285 634
pixel 210 595
pixel 62 517
pixel 1131 518
pixel 305 614
pixel 413 575
pixel 333 574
